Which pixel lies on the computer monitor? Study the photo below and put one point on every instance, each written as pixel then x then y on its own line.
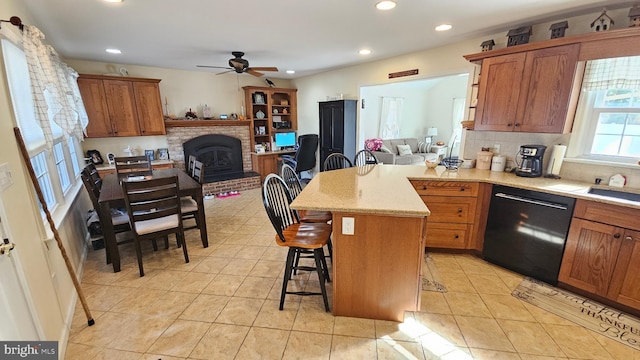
pixel 285 139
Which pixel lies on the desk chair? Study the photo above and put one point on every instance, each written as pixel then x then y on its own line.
pixel 364 157
pixel 129 166
pixel 336 161
pixel 295 235
pixel 305 156
pixel 154 211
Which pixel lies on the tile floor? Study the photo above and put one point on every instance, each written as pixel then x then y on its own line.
pixel 224 305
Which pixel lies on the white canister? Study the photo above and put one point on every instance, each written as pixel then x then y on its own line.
pixel 498 162
pixel 483 161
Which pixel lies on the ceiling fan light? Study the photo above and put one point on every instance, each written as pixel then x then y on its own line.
pixel 114 1
pixel 364 52
pixel 444 27
pixel 113 51
pixel 385 5
pixel 291 71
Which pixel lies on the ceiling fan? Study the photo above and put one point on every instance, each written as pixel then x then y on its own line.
pixel 240 65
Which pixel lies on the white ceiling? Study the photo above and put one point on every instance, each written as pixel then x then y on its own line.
pixel 302 35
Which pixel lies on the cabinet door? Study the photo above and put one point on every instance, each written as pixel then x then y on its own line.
pixel 590 256
pixel 95 103
pixel 625 284
pixel 149 108
pixel 547 84
pixel 122 109
pixel 499 92
pixel 447 236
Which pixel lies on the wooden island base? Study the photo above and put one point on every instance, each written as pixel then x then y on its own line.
pixel 376 271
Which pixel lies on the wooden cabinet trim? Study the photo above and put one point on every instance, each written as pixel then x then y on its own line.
pixel 607 214
pixel 446 188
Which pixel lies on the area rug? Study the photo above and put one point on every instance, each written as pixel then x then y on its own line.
pixel 592 315
pixel 431 280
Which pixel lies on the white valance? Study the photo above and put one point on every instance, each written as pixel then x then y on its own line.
pixel 613 73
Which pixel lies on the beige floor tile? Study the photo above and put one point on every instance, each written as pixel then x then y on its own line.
pixel 506 307
pixel 433 302
pixel 194 282
pixel 103 332
pixel 155 302
pixel 164 279
pixel 139 332
pixel 221 342
pixel 544 317
pixel 488 284
pixel 540 357
pixel 440 329
pixel 576 342
pixel 247 229
pixel 457 282
pixel 255 287
pixel 267 268
pixel 240 267
pixel 180 338
pixel 349 348
pixel 350 326
pixel 530 338
pixel 240 311
pixel 82 352
pixel 389 349
pixel 453 353
pixel 510 278
pixel 226 250
pixel 251 251
pixel 311 318
pixel 270 315
pixel 618 350
pixel 482 354
pixel 275 253
pixel 410 330
pixel 262 343
pixel 307 346
pixel 205 308
pixel 473 265
pixel 104 298
pixel 225 285
pixel 483 333
pixel 446 263
pixel 469 304
pixel 149 356
pixel 212 265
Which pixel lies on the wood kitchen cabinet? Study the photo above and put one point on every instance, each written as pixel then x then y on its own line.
pixel 119 106
pixel 270 110
pixel 602 253
pixel 454 207
pixel 527 91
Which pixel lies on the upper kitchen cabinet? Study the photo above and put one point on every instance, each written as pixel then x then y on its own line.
pixel 119 106
pixel 528 91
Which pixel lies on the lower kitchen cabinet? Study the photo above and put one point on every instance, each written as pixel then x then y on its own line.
pixel 602 254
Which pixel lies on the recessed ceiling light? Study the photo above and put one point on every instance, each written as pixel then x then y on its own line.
pixel 113 51
pixel 364 52
pixel 385 5
pixel 443 27
pixel 114 1
pixel 291 71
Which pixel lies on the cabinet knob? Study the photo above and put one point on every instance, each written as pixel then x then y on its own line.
pixel 424 187
pixel 509 124
pixel 456 236
pixel 616 236
pixel 459 210
pixel 628 238
pixel 142 131
pixel 517 124
pixel 461 189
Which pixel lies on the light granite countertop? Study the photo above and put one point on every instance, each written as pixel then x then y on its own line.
pixel 386 189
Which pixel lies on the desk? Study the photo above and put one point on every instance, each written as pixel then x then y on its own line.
pixel 111 196
pixel 267 163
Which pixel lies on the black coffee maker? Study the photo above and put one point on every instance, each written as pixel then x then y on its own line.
pixel 530 164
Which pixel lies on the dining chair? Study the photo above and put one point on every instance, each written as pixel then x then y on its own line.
pixel 129 166
pixel 297 236
pixel 336 161
pixel 188 205
pixel 198 171
pixel 192 159
pixel 119 218
pixel 154 212
pixel 364 157
pixel 95 176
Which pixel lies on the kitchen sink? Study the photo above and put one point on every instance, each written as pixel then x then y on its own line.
pixel 615 194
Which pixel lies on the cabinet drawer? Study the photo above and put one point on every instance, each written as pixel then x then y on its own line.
pixel 446 188
pixel 449 209
pixel 608 214
pixel 450 236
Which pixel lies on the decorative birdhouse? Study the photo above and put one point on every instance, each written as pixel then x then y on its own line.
pixel 634 16
pixel 487 45
pixel 602 22
pixel 558 29
pixel 519 36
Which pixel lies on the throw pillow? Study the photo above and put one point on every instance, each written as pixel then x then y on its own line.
pixel 424 147
pixel 385 149
pixel 373 144
pixel 404 150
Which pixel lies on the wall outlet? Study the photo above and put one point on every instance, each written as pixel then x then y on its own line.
pixel 348 226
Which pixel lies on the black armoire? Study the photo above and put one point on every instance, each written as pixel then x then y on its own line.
pixel 337 128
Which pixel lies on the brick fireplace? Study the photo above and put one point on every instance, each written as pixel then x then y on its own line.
pixel 181 131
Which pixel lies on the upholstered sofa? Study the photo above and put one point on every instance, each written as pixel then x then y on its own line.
pixel 389 153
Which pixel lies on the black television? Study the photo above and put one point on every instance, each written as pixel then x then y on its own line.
pixel 285 139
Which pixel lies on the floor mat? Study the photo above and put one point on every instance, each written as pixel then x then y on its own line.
pixel 590 314
pixel 431 280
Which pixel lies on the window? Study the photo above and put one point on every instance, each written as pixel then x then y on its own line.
pixel 74 156
pixel 616 113
pixel 39 163
pixel 61 165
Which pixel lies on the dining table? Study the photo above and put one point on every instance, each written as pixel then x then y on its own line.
pixel 111 196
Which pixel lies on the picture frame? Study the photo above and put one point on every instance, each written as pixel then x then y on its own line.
pixel 258 98
pixel 262 130
pixel 150 154
pixel 223 117
pixel 163 154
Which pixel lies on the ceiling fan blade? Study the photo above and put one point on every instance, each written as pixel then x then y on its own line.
pixel 213 67
pixel 269 68
pixel 254 73
pixel 224 72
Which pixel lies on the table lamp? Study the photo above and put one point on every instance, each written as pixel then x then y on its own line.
pixel 431 132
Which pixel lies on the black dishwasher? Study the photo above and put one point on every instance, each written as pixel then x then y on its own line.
pixel 527 230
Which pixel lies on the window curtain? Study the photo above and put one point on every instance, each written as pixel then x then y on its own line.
pixel 54 87
pixel 390 117
pixel 613 73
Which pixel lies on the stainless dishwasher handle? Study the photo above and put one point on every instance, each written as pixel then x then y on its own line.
pixel 531 201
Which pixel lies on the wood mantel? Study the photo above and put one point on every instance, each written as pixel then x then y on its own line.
pixel 194 123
